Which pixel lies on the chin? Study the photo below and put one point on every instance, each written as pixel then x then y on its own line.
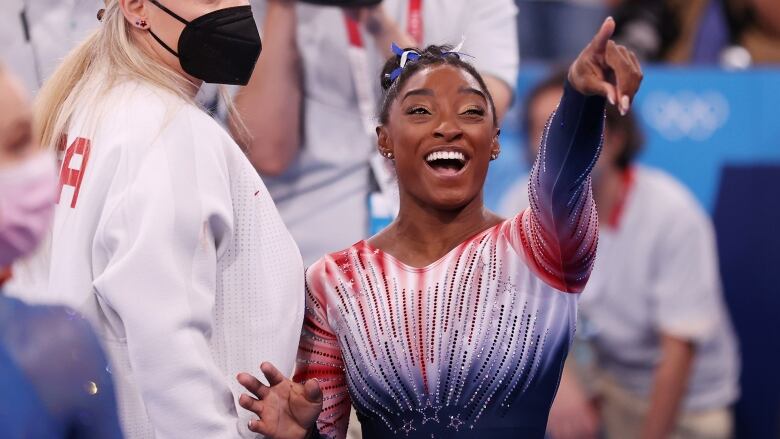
pixel 450 200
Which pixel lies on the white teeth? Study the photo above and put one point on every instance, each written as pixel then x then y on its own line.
pixel 445 155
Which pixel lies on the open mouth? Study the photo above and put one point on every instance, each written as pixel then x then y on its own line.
pixel 446 163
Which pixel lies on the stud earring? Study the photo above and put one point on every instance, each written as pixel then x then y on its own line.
pixel 389 155
pixel 493 156
pixel 141 23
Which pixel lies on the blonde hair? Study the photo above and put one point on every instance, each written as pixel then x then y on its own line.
pixel 109 53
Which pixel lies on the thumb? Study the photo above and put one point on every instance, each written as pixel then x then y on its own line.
pixel 312 391
pixel 599 42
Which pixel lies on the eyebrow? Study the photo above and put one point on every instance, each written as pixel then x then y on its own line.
pixel 419 92
pixel 472 90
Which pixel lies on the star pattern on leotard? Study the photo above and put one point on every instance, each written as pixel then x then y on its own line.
pixel 455 422
pixel 430 412
pixel 408 427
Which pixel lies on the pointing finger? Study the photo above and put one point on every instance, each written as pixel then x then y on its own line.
pixel 599 42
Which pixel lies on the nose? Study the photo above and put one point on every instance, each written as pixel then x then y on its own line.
pixel 448 131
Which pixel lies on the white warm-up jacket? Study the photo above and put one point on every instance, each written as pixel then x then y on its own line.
pixel 168 241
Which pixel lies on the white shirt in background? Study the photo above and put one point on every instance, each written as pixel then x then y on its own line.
pixel 53 28
pixel 175 252
pixel 323 197
pixel 657 271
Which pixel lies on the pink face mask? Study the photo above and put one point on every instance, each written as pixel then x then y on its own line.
pixel 27 196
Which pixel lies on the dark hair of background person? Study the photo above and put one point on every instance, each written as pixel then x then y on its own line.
pixel 648 27
pixel 627 124
pixel 741 15
pixel 430 57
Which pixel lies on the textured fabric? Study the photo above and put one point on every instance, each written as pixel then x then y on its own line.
pixel 331 174
pixel 167 240
pixel 474 343
pixel 55 377
pixel 669 284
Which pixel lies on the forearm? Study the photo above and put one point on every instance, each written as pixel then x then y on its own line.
pixel 561 227
pixel 501 93
pixel 384 30
pixel 270 105
pixel 670 385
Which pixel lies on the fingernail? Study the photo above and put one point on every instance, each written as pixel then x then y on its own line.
pixel 610 99
pixel 625 104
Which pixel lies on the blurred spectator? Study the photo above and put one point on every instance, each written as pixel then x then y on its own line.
pixel 555 30
pixel 666 362
pixel 54 375
pixel 756 27
pixel 36 34
pixel 310 107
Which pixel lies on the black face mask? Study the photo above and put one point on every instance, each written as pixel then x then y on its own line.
pixel 221 47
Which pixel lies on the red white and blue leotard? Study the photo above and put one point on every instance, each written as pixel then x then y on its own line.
pixel 473 344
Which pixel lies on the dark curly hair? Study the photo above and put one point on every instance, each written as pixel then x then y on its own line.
pixel 430 57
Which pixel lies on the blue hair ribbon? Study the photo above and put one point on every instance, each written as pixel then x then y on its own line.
pixel 411 55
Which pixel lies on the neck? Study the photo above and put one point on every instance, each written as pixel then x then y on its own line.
pixel 427 233
pixel 607 192
pixel 154 50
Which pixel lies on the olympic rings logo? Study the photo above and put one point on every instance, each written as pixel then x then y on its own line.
pixel 687 114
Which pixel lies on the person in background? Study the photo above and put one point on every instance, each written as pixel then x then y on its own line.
pixel 553 30
pixel 666 359
pixel 36 34
pixel 164 236
pixel 755 26
pixel 53 372
pixel 310 109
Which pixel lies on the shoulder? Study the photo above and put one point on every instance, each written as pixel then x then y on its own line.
pixel 335 265
pixel 668 199
pixel 141 114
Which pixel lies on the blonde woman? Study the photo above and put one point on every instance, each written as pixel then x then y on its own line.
pixel 164 235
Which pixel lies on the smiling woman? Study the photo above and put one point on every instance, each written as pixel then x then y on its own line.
pixel 453 322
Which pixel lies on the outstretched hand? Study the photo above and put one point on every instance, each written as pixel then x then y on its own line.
pixel 607 69
pixel 286 410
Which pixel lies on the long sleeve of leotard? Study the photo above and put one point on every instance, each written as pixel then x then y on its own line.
pixel 559 231
pixel 320 357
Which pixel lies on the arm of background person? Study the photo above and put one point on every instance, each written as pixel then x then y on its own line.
pixel 491 37
pixel 270 105
pixel 669 387
pixel 573 415
pixel 687 308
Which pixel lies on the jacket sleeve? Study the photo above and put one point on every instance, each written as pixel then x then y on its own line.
pixel 319 356
pixel 559 231
pixel 161 238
